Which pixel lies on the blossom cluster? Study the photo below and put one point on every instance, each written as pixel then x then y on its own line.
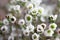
pixel 33 19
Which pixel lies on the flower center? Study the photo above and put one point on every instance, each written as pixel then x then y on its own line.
pixel 40 11
pixel 35 37
pixel 48 31
pixel 52 26
pixel 28 18
pixel 12 19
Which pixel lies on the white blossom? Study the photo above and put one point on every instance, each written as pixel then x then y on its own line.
pixel 53 26
pixel 48 33
pixel 30 28
pixel 28 18
pixel 43 25
pixel 35 36
pixel 40 29
pixel 21 22
pixel 12 19
pixel 10 38
pixel 5 22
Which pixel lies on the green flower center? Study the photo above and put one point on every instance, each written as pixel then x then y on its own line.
pixel 28 18
pixel 48 31
pixel 52 26
pixel 35 36
pixel 40 11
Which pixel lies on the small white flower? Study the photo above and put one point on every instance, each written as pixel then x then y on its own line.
pixel 12 19
pixel 42 19
pixel 40 29
pixel 5 21
pixel 53 17
pixel 36 2
pixel 28 18
pixel 53 26
pixel 40 10
pixel 30 28
pixel 48 32
pixel 21 22
pixel 15 8
pixel 10 38
pixel 26 32
pixel 33 11
pixel 35 36
pixel 43 25
pixel 29 6
pixel 4 28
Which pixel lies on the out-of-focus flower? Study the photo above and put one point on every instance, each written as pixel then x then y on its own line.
pixel 35 36
pixel 29 5
pixel 53 26
pixel 52 17
pixel 4 28
pixel 48 33
pixel 33 11
pixel 26 32
pixel 10 38
pixel 14 8
pixel 21 22
pixel 30 28
pixel 43 19
pixel 40 10
pixel 12 19
pixel 36 2
pixel 40 29
pixel 28 18
pixel 5 22
pixel 43 25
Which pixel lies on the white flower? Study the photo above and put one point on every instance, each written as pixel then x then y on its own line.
pixel 12 19
pixel 28 18
pixel 40 29
pixel 4 28
pixel 21 22
pixel 48 33
pixel 35 36
pixel 26 32
pixel 5 21
pixel 42 19
pixel 10 38
pixel 16 8
pixel 29 5
pixel 53 17
pixel 36 2
pixel 40 10
pixel 33 11
pixel 43 25
pixel 30 28
pixel 53 26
